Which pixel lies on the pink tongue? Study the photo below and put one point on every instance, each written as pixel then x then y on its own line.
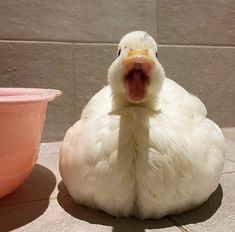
pixel 136 87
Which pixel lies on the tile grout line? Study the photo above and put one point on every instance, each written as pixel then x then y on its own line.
pixel 33 41
pixel 26 202
pixel 156 18
pixel 180 227
pixel 36 200
pixel 230 160
pixel 116 43
pixel 197 45
pixel 58 42
pixel 224 173
pixel 74 86
pixel 49 153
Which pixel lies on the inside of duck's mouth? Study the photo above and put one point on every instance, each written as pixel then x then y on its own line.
pixel 137 74
pixel 136 81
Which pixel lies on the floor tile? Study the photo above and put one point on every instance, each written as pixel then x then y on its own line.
pixel 65 215
pixel 49 148
pixel 230 149
pixel 39 185
pixel 118 224
pixel 229 134
pixel 229 166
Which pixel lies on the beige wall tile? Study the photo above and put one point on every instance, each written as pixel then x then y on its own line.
pixel 91 66
pixel 44 65
pixel 196 22
pixel 75 20
pixel 207 72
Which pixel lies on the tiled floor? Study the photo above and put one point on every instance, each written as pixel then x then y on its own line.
pixel 43 204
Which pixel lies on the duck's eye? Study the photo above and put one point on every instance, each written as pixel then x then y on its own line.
pixel 156 54
pixel 119 52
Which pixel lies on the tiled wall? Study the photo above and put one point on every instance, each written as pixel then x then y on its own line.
pixel 70 44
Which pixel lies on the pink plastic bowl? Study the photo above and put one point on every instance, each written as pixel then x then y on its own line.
pixel 22 116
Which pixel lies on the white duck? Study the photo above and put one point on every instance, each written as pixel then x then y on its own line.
pixel 143 146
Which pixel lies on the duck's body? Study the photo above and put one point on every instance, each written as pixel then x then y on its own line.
pixel 144 160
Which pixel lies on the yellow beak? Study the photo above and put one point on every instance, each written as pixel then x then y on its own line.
pixel 133 52
pixel 138 58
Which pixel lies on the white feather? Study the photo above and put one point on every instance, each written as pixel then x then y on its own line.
pixel 159 157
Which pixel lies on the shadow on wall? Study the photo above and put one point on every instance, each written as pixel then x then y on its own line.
pixel 39 185
pixel 200 214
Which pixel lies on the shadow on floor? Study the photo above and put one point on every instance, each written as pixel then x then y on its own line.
pixel 27 202
pixel 99 217
pixel 200 214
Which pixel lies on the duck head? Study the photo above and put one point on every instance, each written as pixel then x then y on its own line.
pixel 136 76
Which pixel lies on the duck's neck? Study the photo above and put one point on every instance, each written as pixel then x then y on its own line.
pixel 119 101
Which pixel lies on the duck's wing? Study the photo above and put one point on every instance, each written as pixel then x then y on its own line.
pixel 175 97
pixel 98 105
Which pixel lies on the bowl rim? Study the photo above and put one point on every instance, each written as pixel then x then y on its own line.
pixel 11 95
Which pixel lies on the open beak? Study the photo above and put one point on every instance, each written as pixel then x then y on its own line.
pixel 138 59
pixel 137 68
